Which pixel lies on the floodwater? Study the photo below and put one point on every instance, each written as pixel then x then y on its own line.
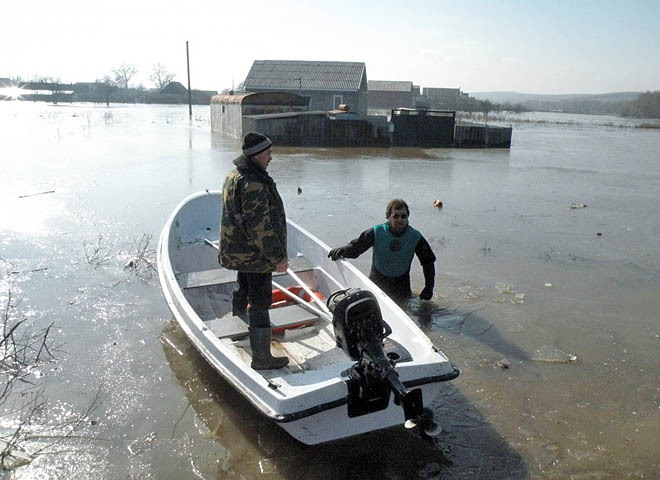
pixel 546 295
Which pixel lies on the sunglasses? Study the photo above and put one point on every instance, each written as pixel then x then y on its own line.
pixel 402 216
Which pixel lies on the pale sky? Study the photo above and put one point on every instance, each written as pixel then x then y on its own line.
pixel 528 46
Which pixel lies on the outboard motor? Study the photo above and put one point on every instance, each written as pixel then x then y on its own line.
pixel 360 329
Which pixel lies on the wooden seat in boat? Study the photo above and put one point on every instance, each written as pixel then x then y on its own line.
pixel 229 326
pixel 219 276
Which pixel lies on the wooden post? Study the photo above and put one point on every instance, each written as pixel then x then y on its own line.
pixel 189 94
pixel 486 132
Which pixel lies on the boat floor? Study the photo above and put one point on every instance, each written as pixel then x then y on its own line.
pixel 307 340
pixel 312 349
pixel 311 346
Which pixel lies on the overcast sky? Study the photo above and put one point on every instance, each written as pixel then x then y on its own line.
pixel 528 46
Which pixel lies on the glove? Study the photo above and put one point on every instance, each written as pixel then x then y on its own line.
pixel 336 253
pixel 426 293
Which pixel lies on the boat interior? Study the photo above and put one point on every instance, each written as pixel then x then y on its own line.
pixel 307 339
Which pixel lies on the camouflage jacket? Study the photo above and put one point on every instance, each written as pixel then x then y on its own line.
pixel 253 222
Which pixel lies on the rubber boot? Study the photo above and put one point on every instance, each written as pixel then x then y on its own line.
pixel 260 345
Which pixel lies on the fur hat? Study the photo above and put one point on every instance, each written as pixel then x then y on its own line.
pixel 255 143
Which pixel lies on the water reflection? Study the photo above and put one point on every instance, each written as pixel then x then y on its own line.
pixel 433 317
pixel 30 212
pixel 469 447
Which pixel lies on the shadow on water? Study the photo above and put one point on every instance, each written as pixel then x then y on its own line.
pixel 432 317
pixel 355 152
pixel 468 447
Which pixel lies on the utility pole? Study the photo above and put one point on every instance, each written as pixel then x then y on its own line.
pixel 189 94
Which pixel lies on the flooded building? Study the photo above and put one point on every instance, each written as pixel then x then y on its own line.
pixel 229 111
pixel 336 128
pixel 442 98
pixel 325 85
pixel 174 92
pixel 387 94
pixel 285 118
pixel 308 116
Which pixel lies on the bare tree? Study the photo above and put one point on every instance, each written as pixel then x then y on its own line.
pixel 161 76
pixel 39 78
pixel 108 85
pixel 124 73
pixel 57 88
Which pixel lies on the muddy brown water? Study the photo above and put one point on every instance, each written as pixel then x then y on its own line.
pixel 546 295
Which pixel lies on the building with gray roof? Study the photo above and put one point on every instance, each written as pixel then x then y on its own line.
pixel 443 98
pixel 326 84
pixel 388 94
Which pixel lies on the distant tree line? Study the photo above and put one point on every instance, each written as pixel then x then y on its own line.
pixel 583 105
pixel 120 77
pixel 647 105
pixel 115 88
pixel 471 104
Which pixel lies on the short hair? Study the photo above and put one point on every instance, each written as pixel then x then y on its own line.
pixel 396 204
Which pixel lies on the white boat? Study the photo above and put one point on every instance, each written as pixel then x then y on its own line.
pixel 382 374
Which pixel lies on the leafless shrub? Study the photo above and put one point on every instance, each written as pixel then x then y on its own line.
pixel 33 434
pixel 142 260
pixel 97 254
pixel 21 348
pixel 546 255
pixel 26 430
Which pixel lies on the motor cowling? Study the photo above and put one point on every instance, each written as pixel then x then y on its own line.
pixel 359 331
pixel 357 321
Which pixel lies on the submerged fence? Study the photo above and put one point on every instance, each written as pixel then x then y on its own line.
pixel 482 136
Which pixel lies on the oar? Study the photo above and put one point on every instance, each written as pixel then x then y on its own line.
pixel 309 292
pixel 323 313
pixel 303 303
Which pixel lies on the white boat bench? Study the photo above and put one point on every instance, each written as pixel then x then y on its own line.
pixel 233 327
pixel 219 276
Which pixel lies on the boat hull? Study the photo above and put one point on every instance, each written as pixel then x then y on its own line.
pixel 309 398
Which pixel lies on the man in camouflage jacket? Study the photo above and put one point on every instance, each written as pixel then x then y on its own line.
pixel 253 242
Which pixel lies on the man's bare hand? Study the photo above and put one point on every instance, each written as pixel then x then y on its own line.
pixel 282 266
